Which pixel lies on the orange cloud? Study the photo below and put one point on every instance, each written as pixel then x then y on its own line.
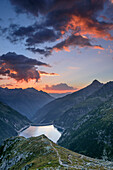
pixel 88 26
pixel 66 48
pixel 98 47
pixel 43 73
pixel 85 18
pixel 19 67
pixel 56 49
pixel 73 41
pixel 21 84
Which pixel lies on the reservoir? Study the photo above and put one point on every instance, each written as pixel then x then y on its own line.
pixel 50 131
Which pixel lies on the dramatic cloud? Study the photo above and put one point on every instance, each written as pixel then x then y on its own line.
pixel 33 36
pixel 45 52
pixel 31 6
pixel 61 86
pixel 79 20
pixel 48 74
pixel 20 67
pixel 74 40
pixel 17 33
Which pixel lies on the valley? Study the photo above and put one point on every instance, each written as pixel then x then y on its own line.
pixel 83 120
pixel 56 84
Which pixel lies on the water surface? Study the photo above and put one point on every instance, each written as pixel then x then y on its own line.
pixel 50 131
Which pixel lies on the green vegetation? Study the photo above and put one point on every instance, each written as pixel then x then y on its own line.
pixel 92 135
pixel 38 153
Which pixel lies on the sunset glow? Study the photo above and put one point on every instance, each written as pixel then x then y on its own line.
pixel 62 44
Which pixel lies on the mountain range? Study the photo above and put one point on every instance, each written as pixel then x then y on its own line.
pixel 25 101
pixel 40 153
pixel 86 116
pixel 62 109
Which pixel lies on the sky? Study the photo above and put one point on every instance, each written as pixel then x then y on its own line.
pixel 56 46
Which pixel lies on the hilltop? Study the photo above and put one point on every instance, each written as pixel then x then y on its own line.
pixel 38 153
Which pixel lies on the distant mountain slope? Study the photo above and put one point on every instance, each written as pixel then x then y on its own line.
pixel 92 135
pixel 25 101
pixel 58 95
pixel 88 105
pixel 39 153
pixel 55 109
pixel 10 122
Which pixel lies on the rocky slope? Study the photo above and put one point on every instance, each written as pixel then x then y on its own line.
pixel 10 122
pixel 55 110
pixel 25 101
pixel 39 153
pixel 92 135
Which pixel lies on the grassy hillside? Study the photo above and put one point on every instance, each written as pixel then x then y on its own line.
pixel 39 153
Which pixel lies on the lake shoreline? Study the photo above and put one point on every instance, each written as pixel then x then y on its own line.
pixel 24 128
pixel 49 130
pixel 62 129
pixel 42 124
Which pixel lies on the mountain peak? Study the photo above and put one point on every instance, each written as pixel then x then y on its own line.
pixel 96 83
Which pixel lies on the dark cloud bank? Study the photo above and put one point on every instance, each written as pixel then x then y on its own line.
pixel 20 67
pixel 64 20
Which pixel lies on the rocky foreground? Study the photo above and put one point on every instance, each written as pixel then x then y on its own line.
pixel 38 153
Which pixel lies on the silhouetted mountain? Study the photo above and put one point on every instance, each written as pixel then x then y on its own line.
pixel 10 122
pixel 40 153
pixel 58 108
pixel 26 101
